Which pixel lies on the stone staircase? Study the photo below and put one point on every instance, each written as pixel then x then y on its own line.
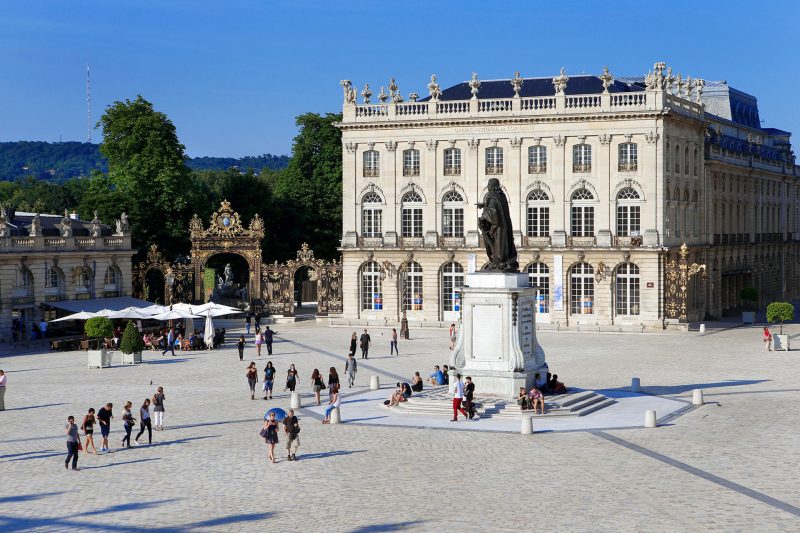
pixel 438 401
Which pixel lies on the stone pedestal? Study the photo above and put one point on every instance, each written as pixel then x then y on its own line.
pixel 496 343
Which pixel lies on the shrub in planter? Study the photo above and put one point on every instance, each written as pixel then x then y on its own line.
pixel 749 297
pixel 780 312
pixel 98 328
pixel 131 340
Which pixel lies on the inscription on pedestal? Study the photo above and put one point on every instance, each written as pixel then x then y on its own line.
pixel 526 328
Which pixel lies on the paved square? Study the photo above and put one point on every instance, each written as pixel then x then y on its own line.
pixel 730 465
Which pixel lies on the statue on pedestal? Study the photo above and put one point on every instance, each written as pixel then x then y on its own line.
pixel 495 224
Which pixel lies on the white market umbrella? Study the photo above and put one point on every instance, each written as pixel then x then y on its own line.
pixel 173 315
pixel 130 312
pixel 83 315
pixel 154 309
pixel 104 312
pixel 218 312
pixel 208 337
pixel 216 307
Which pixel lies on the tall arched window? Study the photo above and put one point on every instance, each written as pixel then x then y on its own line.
pixel 581 290
pixel 582 158
pixel 582 214
pixel 55 279
pixel 628 157
pixel 25 282
pixel 110 277
pixel 452 214
pixel 452 162
pixel 411 162
pixel 539 276
pixel 627 284
pixel 677 159
pixel 411 215
pixel 538 214
pixel 628 213
pixel 667 154
pixel 371 215
pixel 537 159
pixel 695 163
pixel 372 164
pixel 452 279
pixel 412 295
pixel 371 296
pixel 494 160
pixel 686 160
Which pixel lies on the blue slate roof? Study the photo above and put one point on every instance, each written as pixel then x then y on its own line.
pixel 582 84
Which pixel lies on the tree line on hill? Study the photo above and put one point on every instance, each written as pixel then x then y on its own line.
pixel 149 177
pixel 62 161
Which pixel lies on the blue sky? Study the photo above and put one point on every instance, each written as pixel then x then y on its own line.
pixel 233 74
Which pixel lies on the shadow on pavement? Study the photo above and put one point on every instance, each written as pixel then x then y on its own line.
pixel 323 455
pixel 34 406
pixel 668 390
pixel 378 528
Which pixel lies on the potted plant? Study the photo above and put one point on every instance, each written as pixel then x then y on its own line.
pixel 131 345
pixel 98 329
pixel 749 297
pixel 780 312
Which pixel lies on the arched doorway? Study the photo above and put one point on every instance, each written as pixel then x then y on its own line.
pixel 226 280
pixel 154 286
pixel 305 291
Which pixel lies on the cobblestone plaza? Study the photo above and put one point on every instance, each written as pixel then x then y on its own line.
pixel 729 465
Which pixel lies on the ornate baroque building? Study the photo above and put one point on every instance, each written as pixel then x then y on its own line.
pixel 45 259
pixel 606 180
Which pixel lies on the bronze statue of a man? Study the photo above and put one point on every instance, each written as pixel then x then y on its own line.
pixel 495 223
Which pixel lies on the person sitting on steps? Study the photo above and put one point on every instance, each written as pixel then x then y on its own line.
pixel 523 400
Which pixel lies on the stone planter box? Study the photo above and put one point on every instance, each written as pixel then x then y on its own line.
pixel 99 358
pixel 780 342
pixel 748 317
pixel 131 358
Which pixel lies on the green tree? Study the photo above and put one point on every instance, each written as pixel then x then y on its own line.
pixel 780 312
pixel 147 166
pixel 101 195
pixel 131 339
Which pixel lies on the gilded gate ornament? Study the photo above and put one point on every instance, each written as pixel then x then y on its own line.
pixel 677 275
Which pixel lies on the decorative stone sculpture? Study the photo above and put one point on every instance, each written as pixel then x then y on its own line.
pixel 382 96
pixel 393 90
pixel 670 80
pixel 516 83
pixel 36 226
pixel 96 225
pixel 607 79
pixel 498 235
pixel 349 91
pixel 119 228
pixel 413 97
pixel 659 74
pixel 66 225
pixel 123 218
pixel 560 82
pixel 698 85
pixel 474 85
pixel 433 88
pixel 366 94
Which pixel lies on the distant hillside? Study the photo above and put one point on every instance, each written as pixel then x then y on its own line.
pixel 61 161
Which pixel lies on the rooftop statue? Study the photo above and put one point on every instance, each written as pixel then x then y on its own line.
pixel 495 224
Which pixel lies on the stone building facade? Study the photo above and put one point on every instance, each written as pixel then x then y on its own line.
pixel 606 180
pixel 45 259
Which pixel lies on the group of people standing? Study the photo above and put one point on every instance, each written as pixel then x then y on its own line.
pixel 317 381
pixel 365 341
pixel 103 418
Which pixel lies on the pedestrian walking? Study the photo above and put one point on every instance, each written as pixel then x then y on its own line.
pixel 458 397
pixel 104 417
pixel 259 341
pixel 3 384
pixel 291 378
pixel 240 347
pixel 269 379
pixel 257 320
pixel 333 381
pixel 365 342
pixel 393 343
pixel 336 401
pixel 291 428
pixel 270 434
pixel 87 426
pixel 247 320
pixel 170 343
pixel 350 368
pixel 767 339
pixel 252 379
pixel 469 394
pixel 158 408
pixel 127 423
pixel 73 443
pixel 353 343
pixel 453 335
pixel 317 384
pixel 144 422
pixel 268 338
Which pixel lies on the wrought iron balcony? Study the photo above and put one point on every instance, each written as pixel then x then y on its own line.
pixel 537 168
pixel 494 169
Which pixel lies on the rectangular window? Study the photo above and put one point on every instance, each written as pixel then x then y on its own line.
pixel 628 220
pixel 372 223
pixel 582 295
pixel 412 297
pixel 371 164
pixel 452 162
pixel 494 160
pixel 453 222
pixel 371 297
pixel 582 158
pixel 411 163
pixel 628 157
pixel 412 222
pixel 450 297
pixel 538 221
pixel 582 221
pixel 537 159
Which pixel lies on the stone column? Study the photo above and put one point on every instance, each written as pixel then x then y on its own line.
pixel 430 186
pixel 559 218
pixel 604 173
pixel 515 189
pixel 471 172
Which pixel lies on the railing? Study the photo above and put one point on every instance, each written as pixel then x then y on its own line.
pixel 537 169
pixel 452 170
pixel 630 166
pixel 536 242
pixel 582 102
pixel 451 242
pixel 538 103
pixel 412 109
pixel 85 242
pixel 628 99
pixel 494 169
pixel 491 106
pixel 372 110
pixel 113 242
pixel 55 242
pixel 370 172
pixel 412 242
pixel 581 241
pixel 581 167
pixel 370 242
pixel 452 108
pixel 410 171
pixel 22 242
pixel 628 242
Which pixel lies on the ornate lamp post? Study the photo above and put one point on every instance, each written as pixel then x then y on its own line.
pixel 678 273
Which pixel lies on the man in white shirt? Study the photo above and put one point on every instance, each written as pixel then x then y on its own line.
pixel 458 397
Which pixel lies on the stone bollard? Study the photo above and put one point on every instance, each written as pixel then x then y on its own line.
pixel 374 383
pixel 697 397
pixel 702 328
pixel 650 418
pixel 296 403
pixel 336 417
pixel 527 424
pixel 636 385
